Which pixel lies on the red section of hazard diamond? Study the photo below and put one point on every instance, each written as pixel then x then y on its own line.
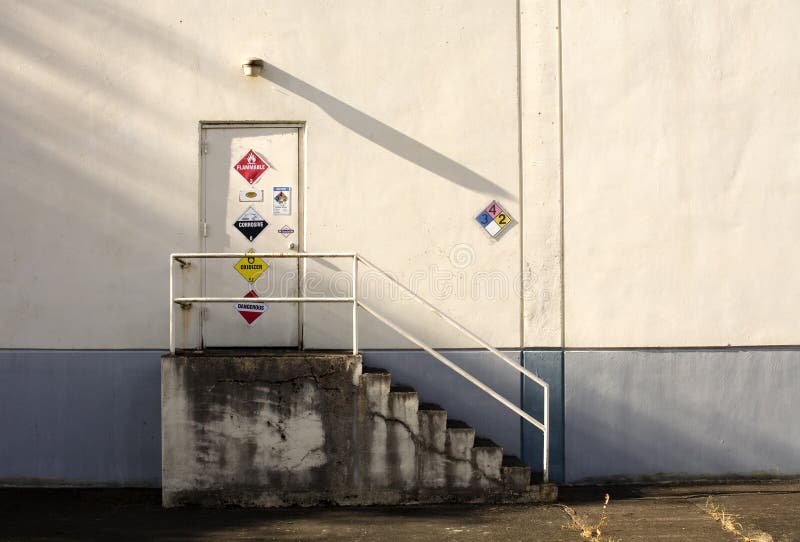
pixel 250 311
pixel 251 166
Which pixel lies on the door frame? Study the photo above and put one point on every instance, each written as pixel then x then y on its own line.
pixel 302 169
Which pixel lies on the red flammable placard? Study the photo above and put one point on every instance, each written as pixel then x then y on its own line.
pixel 251 166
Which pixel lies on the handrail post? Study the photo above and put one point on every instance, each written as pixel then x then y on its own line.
pixel 546 437
pixel 355 304
pixel 171 308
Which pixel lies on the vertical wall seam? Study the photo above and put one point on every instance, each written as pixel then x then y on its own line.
pixel 520 164
pixel 203 216
pixel 561 172
pixel 563 357
pixel 521 177
pixel 302 167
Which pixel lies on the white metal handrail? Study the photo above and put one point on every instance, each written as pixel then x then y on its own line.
pixel 544 426
pixel 184 260
pixel 190 300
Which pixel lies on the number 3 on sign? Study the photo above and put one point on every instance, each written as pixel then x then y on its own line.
pixel 484 218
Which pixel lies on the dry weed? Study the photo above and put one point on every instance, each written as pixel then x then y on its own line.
pixel 587 528
pixel 729 523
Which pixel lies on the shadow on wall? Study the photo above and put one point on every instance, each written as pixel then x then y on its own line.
pixel 639 416
pixel 80 418
pixel 384 135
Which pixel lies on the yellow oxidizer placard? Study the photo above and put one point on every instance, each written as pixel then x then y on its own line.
pixel 251 268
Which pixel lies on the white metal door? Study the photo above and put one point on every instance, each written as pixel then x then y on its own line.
pixel 251 179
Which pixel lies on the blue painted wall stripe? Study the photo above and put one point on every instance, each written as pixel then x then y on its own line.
pixel 549 366
pixel 72 417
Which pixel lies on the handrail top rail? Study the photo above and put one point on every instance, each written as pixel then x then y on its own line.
pixel 208 255
pixel 182 300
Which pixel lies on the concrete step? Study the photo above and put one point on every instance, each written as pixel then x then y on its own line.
pixel 403 436
pixel 369 369
pixel 432 426
pixel 458 444
pixel 404 406
pixel 450 461
pixel 487 457
pixel 516 474
pixel 460 438
pixel 432 455
pixel 375 387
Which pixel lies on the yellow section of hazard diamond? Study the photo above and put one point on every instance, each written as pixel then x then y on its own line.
pixel 251 268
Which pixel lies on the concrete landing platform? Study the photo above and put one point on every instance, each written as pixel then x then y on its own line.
pixel 257 428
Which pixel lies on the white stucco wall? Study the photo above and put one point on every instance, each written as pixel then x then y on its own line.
pixel 412 119
pixel 681 175
pixel 541 172
pixel 679 141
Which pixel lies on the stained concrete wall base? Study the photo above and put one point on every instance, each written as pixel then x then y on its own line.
pixel 259 498
pixel 283 429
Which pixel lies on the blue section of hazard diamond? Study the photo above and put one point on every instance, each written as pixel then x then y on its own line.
pixel 483 219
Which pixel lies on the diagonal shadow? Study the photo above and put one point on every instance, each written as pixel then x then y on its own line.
pixel 384 135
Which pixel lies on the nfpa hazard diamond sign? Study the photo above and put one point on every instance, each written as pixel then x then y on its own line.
pixel 250 311
pixel 250 224
pixel 251 166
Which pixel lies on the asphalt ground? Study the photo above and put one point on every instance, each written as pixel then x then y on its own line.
pixel 763 511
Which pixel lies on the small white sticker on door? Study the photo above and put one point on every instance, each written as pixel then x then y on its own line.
pixel 251 195
pixel 286 231
pixel 281 200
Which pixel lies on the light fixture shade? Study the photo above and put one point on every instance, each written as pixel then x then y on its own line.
pixel 252 67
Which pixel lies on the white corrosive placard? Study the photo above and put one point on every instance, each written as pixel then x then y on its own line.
pixel 281 200
pixel 251 195
pixel 250 224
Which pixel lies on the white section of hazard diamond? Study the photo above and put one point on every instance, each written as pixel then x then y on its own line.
pixel 493 228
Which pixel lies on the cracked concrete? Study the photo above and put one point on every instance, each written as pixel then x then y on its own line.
pixel 257 430
pixel 307 428
pixel 635 514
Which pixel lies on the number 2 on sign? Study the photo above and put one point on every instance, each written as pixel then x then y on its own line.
pixel 502 219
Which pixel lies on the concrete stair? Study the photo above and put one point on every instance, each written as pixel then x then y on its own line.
pixel 418 454
pixel 288 428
